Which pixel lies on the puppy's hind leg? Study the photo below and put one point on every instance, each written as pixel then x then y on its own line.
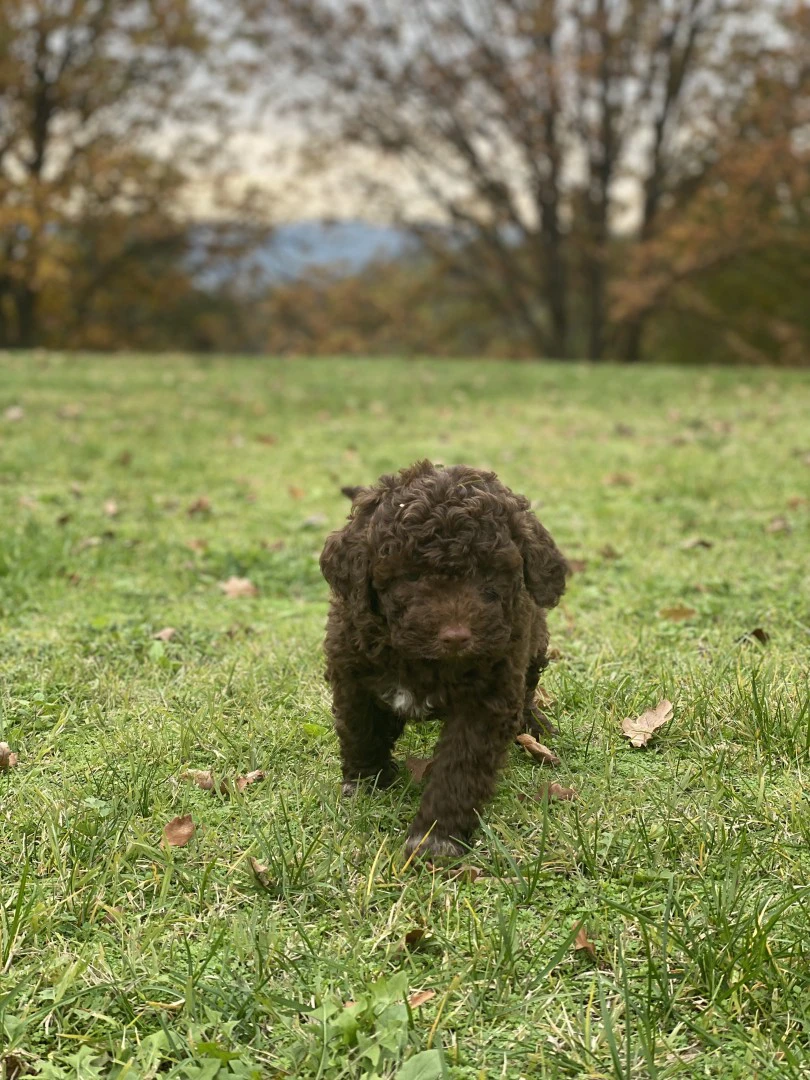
pixel 367 731
pixel 534 721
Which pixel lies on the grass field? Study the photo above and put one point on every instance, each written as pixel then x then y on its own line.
pixel 130 488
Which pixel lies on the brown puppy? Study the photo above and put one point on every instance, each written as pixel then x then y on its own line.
pixel 440 584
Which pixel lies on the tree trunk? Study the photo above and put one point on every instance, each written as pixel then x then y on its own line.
pixel 26 312
pixel 632 340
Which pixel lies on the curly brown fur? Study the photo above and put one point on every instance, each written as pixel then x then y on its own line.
pixel 440 584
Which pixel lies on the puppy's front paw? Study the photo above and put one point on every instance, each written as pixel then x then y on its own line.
pixel 348 789
pixel 433 846
pixel 538 725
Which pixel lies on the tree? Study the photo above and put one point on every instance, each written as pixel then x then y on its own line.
pixel 548 141
pixel 106 107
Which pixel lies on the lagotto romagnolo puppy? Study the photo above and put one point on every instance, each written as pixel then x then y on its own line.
pixel 440 582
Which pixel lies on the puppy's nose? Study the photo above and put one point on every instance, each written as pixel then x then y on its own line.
pixel 456 636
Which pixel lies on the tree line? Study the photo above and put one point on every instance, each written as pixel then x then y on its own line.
pixel 613 179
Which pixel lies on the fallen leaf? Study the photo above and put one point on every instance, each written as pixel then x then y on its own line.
pixel 296 492
pixel 797 502
pixel 609 552
pixel 537 750
pixel 179 831
pixel 272 545
pixel 124 459
pixel 624 430
pixel 677 613
pixel 414 937
pixel 418 767
pixel 199 506
pixel 238 586
pixel 249 778
pixel 261 872
pixel 63 519
pixel 197 545
pixel 470 874
pixel 267 440
pixel 577 566
pixel 27 502
pixel 111 508
pixel 555 792
pixel 14 413
pixel 696 542
pixel 757 634
pixel 641 730
pixel 778 525
pixel 583 943
pixel 166 634
pixel 88 542
pixel 618 479
pixel 420 997
pixel 8 759
pixel 554 654
pixel 203 778
pixel 76 490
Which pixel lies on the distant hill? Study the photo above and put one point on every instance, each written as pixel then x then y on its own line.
pixel 347 246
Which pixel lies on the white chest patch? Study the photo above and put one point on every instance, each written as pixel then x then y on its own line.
pixel 404 702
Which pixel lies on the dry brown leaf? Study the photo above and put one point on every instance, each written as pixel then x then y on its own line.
pixel 27 502
pixel 63 519
pixel 202 505
pixel 203 778
pixel 238 586
pixel 537 750
pixel 583 943
pixel 249 778
pixel 197 545
pixel 618 479
pixel 577 566
pixel 470 874
pixel 642 729
pixel 76 490
pixel 555 791
pixel 554 654
pixel 418 767
pixel 608 551
pixel 757 634
pixel 111 508
pixel 179 831
pixel 14 413
pixel 420 997
pixel 414 937
pixel 124 459
pixel 267 440
pixel 677 613
pixel 624 430
pixel 261 873
pixel 796 502
pixel 8 759
pixel 543 697
pixel 166 634
pixel 778 525
pixel 296 492
pixel 696 542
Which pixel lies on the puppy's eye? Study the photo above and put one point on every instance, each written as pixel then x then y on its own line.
pixel 491 594
pixel 413 575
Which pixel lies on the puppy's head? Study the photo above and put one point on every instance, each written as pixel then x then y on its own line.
pixel 439 561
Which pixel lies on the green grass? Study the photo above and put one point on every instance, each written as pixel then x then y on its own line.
pixel 689 862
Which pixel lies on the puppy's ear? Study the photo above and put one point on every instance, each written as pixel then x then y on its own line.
pixel 544 566
pixel 345 560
